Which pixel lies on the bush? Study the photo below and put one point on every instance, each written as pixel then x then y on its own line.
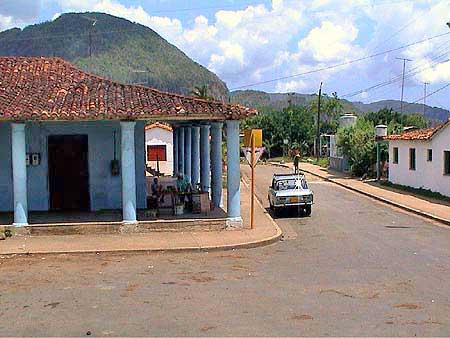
pixel 358 144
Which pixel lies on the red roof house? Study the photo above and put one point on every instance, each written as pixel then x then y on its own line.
pixel 71 140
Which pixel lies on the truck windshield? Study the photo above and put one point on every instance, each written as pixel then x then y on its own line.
pixel 290 184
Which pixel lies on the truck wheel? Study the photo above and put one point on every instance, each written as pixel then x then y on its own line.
pixel 308 210
pixel 276 211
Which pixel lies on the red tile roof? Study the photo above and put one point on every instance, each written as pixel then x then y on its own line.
pixel 37 88
pixel 419 134
pixel 158 125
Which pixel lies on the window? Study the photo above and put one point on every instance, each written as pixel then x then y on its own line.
pixel 412 158
pixel 395 155
pixel 446 162
pixel 156 153
pixel 430 155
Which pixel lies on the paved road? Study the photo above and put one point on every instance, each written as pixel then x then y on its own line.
pixel 356 267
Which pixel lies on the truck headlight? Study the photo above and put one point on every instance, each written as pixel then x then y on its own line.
pixel 281 199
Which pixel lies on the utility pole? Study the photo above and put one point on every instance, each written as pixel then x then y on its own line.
pixel 318 125
pixel 403 81
pixel 425 95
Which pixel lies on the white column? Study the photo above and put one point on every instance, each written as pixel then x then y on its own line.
pixel 216 163
pixel 175 150
pixel 233 175
pixel 205 162
pixel 187 153
pixel 128 172
pixel 181 150
pixel 19 169
pixel 195 178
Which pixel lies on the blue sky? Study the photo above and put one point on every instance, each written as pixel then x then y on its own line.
pixel 260 44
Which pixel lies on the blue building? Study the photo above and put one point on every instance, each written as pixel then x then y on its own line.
pixel 70 140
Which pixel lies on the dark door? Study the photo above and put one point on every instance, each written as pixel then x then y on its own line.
pixel 68 172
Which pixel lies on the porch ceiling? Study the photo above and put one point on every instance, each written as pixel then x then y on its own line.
pixel 41 89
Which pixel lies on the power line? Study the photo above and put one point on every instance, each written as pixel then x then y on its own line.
pixel 413 71
pixel 430 94
pixel 427 95
pixel 394 80
pixel 340 64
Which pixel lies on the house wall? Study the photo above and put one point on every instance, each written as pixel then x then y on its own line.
pixel 105 189
pixel 428 175
pixel 160 136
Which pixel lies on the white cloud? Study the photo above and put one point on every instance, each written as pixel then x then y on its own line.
pixel 291 86
pixel 409 22
pixel 330 41
pixel 165 26
pixel 261 42
pixel 5 22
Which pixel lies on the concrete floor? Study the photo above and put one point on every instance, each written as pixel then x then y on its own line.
pixel 54 217
pixel 355 268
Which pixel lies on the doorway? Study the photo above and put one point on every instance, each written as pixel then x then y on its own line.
pixel 68 172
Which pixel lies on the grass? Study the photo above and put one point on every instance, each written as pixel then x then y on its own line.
pixel 323 162
pixel 418 191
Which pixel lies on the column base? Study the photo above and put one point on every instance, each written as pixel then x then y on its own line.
pixel 19 225
pixel 234 223
pixel 127 222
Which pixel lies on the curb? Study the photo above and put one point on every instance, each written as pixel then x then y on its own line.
pixel 384 200
pixel 247 245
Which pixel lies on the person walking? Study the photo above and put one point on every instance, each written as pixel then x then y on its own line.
pixel 296 163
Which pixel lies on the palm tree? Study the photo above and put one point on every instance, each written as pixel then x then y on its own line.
pixel 201 92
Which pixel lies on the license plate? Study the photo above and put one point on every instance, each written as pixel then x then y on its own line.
pixel 293 200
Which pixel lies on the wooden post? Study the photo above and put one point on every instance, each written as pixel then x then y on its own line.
pixel 252 165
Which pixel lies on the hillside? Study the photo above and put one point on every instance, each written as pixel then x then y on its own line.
pixel 263 100
pixel 120 50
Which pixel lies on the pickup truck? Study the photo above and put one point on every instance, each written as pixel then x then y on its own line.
pixel 289 191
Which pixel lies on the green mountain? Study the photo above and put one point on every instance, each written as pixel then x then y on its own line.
pixel 114 48
pixel 262 100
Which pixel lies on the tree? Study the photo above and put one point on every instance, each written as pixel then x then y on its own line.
pixel 358 144
pixel 201 92
pixel 331 109
pixel 295 123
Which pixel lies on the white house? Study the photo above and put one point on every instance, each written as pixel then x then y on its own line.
pixel 159 147
pixel 421 158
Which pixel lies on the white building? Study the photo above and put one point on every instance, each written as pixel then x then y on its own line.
pixel 159 147
pixel 421 158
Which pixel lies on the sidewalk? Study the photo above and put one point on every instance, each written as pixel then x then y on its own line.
pixel 438 211
pixel 266 232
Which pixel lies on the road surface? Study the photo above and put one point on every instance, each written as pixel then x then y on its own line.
pixel 355 267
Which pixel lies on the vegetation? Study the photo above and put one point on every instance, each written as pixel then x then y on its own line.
pixel 120 50
pixel 395 120
pixel 201 92
pixel 296 124
pixel 323 162
pixel 358 144
pixel 279 101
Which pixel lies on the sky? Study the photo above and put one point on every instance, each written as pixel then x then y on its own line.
pixel 270 44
